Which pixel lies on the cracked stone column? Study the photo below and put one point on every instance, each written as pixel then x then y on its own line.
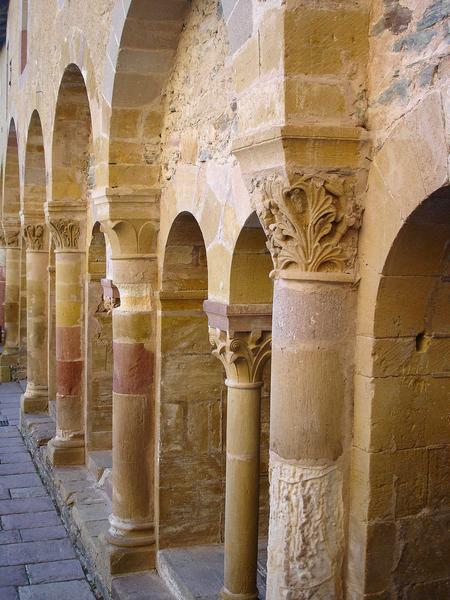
pixel 310 229
pixel 132 518
pixel 10 354
pixel 67 447
pixel 35 398
pixel 243 354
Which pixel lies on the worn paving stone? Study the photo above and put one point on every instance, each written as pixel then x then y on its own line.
pixel 25 505
pixel 15 575
pixel 10 537
pixel 28 492
pixel 36 534
pixel 17 468
pixel 22 521
pixel 8 593
pixel 61 570
pixel 56 591
pixel 37 559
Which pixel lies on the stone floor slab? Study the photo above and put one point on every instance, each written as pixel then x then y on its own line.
pixel 76 590
pixel 61 570
pixel 22 521
pixel 37 534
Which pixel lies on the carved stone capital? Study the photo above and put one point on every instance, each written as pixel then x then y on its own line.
pixel 311 225
pixel 12 238
pixel 34 236
pixel 243 354
pixel 65 233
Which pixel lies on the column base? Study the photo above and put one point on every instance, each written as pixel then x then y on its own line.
pixel 65 455
pixel 128 560
pixel 33 403
pixel 5 374
pixel 227 595
pixel 129 534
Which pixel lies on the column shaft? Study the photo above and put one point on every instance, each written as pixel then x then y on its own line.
pixel 67 447
pixel 311 394
pixel 132 518
pixel 242 491
pixel 12 300
pixel 35 398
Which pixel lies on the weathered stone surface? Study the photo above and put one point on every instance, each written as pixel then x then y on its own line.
pixel 61 570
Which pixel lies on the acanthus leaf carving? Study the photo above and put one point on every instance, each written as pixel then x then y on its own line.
pixel 305 224
pixel 65 233
pixel 34 236
pixel 243 354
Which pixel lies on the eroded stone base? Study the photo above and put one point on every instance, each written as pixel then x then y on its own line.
pixel 306 531
pixel 60 456
pixel 33 404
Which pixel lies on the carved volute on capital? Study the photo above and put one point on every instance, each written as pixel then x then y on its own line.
pixel 65 233
pixel 34 236
pixel 243 354
pixel 311 225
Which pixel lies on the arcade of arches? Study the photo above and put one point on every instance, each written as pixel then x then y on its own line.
pixel 225 276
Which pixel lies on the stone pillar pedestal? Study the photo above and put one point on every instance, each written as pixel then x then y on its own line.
pixel 35 398
pixel 132 519
pixel 67 447
pixel 313 320
pixel 10 354
pixel 243 354
pixel 2 286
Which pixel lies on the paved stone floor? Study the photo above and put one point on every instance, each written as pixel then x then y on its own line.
pixel 37 559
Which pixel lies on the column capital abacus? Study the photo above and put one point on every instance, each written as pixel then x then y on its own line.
pixel 311 226
pixel 243 354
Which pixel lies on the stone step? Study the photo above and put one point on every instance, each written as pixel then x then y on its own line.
pixel 140 586
pixel 196 572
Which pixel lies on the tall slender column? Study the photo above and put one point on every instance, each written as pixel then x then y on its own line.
pixel 10 353
pixel 2 284
pixel 67 447
pixel 243 355
pixel 132 518
pixel 35 398
pixel 310 230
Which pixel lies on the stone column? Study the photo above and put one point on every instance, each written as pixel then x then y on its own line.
pixel 10 352
pixel 35 398
pixel 243 354
pixel 310 230
pixel 132 518
pixel 2 284
pixel 67 447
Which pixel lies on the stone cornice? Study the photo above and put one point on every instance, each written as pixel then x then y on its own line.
pixel 243 354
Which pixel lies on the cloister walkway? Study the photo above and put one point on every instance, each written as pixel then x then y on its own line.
pixel 37 559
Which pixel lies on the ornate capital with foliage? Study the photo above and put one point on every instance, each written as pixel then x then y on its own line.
pixel 34 236
pixel 12 238
pixel 308 225
pixel 243 354
pixel 65 233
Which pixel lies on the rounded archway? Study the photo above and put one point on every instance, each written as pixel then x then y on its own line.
pixel 402 414
pixel 191 399
pixel 13 360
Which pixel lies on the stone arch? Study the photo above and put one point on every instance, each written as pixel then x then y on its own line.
pixel 11 180
pixel 34 192
pixel 141 52
pixel 72 172
pixel 191 401
pixel 251 266
pixel 398 486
